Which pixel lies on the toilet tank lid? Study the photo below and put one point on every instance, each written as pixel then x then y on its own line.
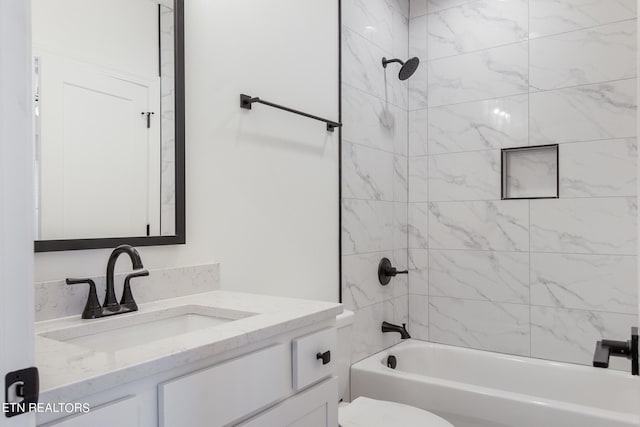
pixel 344 319
pixel 379 413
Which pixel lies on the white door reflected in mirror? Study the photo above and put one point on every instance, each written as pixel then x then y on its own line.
pixel 104 164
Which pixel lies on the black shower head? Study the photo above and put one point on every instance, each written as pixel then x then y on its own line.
pixel 407 69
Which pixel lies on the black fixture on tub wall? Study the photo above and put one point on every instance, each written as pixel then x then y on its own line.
pixel 408 68
pixel 402 330
pixel 386 271
pixel 392 361
pixel 627 349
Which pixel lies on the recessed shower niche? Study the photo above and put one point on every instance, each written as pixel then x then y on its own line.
pixel 530 172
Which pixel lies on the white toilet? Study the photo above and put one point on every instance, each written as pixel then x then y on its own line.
pixel 370 412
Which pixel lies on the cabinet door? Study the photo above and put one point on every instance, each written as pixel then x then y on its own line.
pixel 229 391
pixel 307 367
pixel 315 407
pixel 122 413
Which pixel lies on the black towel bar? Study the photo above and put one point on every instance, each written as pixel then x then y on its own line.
pixel 246 101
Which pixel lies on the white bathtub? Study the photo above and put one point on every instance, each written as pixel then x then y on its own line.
pixel 472 388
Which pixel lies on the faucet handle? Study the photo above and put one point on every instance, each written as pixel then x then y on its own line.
pixel 127 297
pixel 90 282
pixel 635 365
pixel 92 308
pixel 627 349
pixel 137 273
pixel 386 271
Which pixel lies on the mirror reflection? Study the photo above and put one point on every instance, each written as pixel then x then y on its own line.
pixel 104 118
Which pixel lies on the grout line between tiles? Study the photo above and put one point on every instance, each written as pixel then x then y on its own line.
pixel 384 101
pixel 552 307
pixel 524 252
pixel 385 51
pixel 528 39
pixel 449 7
pixel 382 150
pixel 532 199
pixel 560 144
pixel 537 91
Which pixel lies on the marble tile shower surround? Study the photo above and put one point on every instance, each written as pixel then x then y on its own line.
pixel 375 169
pixel 55 299
pixel 539 278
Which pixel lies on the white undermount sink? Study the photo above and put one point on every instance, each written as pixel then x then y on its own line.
pixel 122 331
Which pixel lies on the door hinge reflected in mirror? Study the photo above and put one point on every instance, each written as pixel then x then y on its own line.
pixel 21 391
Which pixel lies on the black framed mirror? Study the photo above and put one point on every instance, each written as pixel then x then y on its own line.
pixel 109 123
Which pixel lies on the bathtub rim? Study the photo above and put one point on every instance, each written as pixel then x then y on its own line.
pixel 376 363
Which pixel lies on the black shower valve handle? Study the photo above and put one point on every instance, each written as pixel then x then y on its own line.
pixel 386 271
pixel 393 272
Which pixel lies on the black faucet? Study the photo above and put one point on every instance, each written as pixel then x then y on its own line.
pixel 627 349
pixel 402 330
pixel 110 301
pixel 92 309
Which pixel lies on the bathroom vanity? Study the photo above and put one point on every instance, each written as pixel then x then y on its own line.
pixel 216 358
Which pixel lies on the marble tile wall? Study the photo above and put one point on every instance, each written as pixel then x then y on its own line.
pixel 375 169
pixel 539 278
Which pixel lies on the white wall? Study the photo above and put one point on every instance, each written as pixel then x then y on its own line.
pixel 117 34
pixel 262 185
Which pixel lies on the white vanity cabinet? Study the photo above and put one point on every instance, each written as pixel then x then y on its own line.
pixel 123 412
pixel 315 407
pixel 287 380
pixel 228 392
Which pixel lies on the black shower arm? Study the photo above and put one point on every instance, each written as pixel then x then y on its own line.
pixel 386 61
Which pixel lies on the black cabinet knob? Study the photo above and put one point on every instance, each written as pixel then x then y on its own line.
pixel 325 357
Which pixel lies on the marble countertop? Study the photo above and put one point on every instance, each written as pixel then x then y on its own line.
pixel 69 371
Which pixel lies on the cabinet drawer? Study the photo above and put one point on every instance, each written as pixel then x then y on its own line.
pixel 226 392
pixel 124 412
pixel 308 366
pixel 314 407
